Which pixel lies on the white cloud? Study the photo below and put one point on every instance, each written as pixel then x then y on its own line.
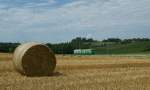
pixel 51 1
pixel 95 17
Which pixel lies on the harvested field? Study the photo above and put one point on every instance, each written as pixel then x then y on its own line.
pixel 82 73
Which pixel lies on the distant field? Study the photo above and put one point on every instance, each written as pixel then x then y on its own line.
pixel 99 72
pixel 129 48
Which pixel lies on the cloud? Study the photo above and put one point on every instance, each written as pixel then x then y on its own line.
pixel 51 1
pixel 55 21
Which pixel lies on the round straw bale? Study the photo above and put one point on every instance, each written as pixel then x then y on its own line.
pixel 34 59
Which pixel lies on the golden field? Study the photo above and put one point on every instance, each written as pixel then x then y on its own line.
pixel 99 72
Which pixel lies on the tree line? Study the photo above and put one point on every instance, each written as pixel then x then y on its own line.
pixel 68 47
pixel 76 43
pixel 125 41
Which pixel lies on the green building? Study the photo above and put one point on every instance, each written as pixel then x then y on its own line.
pixel 84 51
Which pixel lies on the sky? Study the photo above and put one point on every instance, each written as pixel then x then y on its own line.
pixel 56 21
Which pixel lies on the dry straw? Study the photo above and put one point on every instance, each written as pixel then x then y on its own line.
pixel 34 59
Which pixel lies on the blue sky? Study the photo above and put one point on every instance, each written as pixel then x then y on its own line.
pixel 61 20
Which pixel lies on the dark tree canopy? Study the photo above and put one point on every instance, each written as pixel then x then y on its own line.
pixel 78 43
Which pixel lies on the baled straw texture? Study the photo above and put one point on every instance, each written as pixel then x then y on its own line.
pixel 34 59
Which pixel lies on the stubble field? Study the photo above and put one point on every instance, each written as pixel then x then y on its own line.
pixel 126 72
